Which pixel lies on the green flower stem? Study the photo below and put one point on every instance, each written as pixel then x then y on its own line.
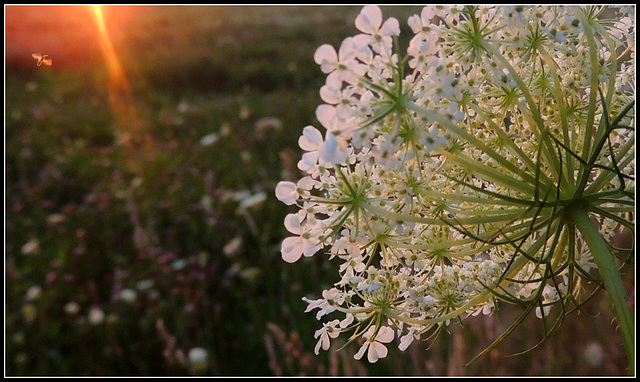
pixel 549 153
pixel 560 248
pixel 613 214
pixel 511 145
pixel 450 126
pixel 593 90
pixel 613 66
pixel 533 107
pixel 490 173
pixel 619 209
pixel 508 215
pixel 558 95
pixel 435 195
pixel 606 176
pixel 610 275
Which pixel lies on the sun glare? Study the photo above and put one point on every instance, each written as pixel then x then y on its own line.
pixel 113 64
pixel 120 97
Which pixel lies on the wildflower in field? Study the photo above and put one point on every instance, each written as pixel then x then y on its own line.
pixel 469 169
pixel 18 338
pixel 128 295
pixel 55 218
pixel 593 354
pixel 209 139
pixel 29 312
pixel 96 316
pixel 253 200
pixel 31 247
pixel 144 285
pixel 198 358
pixel 33 293
pixel 232 248
pixel 72 308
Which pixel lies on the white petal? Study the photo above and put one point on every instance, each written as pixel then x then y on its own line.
pixel 427 14
pixel 310 248
pixel 326 57
pixel 385 334
pixel 369 19
pixel 326 114
pixel 391 27
pixel 360 352
pixel 415 23
pixel 291 249
pixel 372 356
pixel 333 150
pixel 331 92
pixel 405 342
pixel 347 50
pixel 376 351
pixel 310 139
pixel 358 69
pixel 326 343
pixel 347 321
pixel 361 42
pixel 308 161
pixel 329 152
pixel 286 192
pixel 330 95
pixel 306 183
pixel 289 243
pixel 339 75
pixel 292 224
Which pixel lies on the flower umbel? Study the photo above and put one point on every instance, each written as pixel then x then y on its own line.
pixel 469 170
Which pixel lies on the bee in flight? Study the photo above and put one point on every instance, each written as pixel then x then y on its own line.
pixel 42 59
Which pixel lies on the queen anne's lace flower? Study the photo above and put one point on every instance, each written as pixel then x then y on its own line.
pixel 306 243
pixel 448 178
pixel 375 340
pixel 377 34
pixel 329 330
pixel 341 65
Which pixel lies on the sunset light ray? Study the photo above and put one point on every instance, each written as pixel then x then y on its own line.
pixel 128 124
pixel 113 64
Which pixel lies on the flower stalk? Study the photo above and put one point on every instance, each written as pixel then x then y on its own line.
pixel 610 276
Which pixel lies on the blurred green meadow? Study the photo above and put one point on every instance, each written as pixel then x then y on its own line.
pixel 141 226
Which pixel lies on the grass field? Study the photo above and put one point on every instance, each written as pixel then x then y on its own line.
pixel 140 216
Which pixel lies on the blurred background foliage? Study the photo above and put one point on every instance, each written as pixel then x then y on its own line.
pixel 140 219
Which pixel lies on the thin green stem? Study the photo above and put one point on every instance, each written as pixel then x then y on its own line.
pixel 610 275
pixel 489 173
pixel 547 154
pixel 593 90
pixel 452 127
pixel 625 157
pixel 515 150
pixel 613 66
pixel 435 195
pixel 501 216
pixel 524 88
pixel 558 95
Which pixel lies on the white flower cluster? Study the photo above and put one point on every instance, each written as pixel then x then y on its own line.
pixel 442 175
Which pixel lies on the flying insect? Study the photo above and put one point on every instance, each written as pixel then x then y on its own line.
pixel 42 59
